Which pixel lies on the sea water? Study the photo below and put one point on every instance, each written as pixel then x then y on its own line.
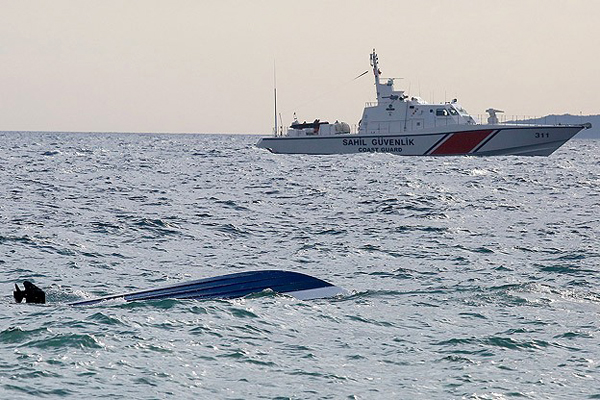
pixel 472 278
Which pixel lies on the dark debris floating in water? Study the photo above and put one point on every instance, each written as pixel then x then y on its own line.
pixel 31 293
pixel 300 286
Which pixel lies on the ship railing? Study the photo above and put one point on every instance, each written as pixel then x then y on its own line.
pixel 283 132
pixel 520 119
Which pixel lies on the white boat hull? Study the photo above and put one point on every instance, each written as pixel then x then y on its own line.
pixel 477 140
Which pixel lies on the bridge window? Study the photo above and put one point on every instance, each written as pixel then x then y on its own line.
pixel 441 112
pixel 453 111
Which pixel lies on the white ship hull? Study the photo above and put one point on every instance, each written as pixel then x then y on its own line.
pixel 476 140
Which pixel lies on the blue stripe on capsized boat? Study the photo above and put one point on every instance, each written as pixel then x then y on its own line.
pixel 225 287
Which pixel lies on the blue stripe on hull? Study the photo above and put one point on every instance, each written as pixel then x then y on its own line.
pixel 228 287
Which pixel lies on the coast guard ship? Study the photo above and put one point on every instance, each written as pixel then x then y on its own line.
pixel 407 126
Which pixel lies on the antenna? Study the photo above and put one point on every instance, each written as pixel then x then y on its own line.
pixel 275 95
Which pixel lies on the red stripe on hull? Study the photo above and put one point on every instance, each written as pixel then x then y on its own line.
pixel 461 142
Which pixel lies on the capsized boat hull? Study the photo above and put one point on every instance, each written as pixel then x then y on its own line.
pixel 476 140
pixel 231 286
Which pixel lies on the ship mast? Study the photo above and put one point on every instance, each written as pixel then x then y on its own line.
pixel 376 71
pixel 375 65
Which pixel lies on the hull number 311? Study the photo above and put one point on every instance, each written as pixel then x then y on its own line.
pixel 541 135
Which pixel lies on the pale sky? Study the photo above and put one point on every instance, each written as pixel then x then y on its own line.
pixel 207 66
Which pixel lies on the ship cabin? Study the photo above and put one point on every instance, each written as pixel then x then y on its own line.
pixel 394 112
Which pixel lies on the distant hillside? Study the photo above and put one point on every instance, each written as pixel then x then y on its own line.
pixel 593 133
